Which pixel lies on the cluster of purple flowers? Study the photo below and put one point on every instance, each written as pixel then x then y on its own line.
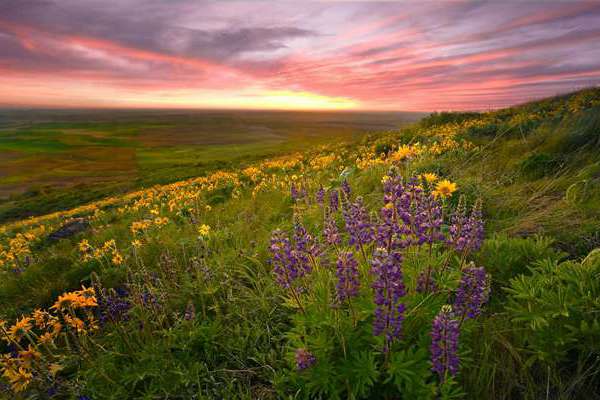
pixel 320 195
pixel 388 292
pixel 334 200
pixel 472 292
pixel 285 265
pixel 417 214
pixel 331 233
pixel 445 331
pixel 346 189
pixel 293 261
pixel 348 277
pixel 358 224
pixel 411 216
pixel 113 305
pixel 304 359
pixel 298 193
pixel 466 231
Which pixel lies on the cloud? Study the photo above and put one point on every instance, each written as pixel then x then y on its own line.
pixel 393 55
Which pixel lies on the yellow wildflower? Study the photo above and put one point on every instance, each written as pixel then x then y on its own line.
pixel 29 356
pixel 19 379
pixel 117 259
pixel 444 188
pixel 20 329
pixel 204 230
pixel 429 177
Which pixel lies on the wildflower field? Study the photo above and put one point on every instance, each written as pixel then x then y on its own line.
pixel 456 258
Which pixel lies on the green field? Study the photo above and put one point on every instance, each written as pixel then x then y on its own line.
pixel 56 159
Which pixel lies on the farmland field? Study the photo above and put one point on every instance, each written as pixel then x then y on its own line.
pixel 44 154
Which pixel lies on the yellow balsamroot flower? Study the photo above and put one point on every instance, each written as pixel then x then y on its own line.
pixel 429 177
pixel 444 188
pixel 136 243
pixel 84 246
pixel 29 356
pixel 78 299
pixel 19 379
pixel 46 338
pixel 204 230
pixel 41 317
pixel 117 259
pixel 19 329
pixel 75 323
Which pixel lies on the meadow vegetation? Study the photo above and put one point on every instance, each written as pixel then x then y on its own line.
pixel 454 258
pixel 59 159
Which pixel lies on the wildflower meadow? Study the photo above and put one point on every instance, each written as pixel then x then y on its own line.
pixel 456 258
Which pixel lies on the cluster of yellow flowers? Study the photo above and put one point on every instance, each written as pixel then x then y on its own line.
pixel 252 173
pixel 403 153
pixel 323 161
pixel 108 251
pixel 18 248
pixel 282 163
pixel 38 338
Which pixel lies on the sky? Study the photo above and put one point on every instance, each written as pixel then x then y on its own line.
pixel 338 55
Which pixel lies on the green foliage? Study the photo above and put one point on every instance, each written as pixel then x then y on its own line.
pixel 539 165
pixel 444 117
pixel 507 257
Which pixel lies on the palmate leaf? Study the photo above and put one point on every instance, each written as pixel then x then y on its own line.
pixel 361 372
pixel 410 372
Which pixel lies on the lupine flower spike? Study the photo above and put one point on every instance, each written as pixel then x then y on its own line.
pixel 445 331
pixel 389 290
pixel 348 276
pixel 472 292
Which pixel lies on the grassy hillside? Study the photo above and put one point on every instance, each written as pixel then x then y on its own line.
pixel 455 258
pixel 58 159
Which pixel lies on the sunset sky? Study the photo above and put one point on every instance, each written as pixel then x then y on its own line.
pixel 412 55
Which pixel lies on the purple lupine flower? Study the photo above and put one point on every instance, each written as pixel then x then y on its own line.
pixel 445 331
pixel 391 232
pixel 285 265
pixel 421 212
pixel 294 194
pixel 431 225
pixel 304 359
pixel 472 292
pixel 305 249
pixel 331 232
pixel 348 277
pixel 358 224
pixel 113 305
pixel 346 189
pixel 320 195
pixel 334 200
pixel 388 290
pixel 476 227
pixel 466 232
pixel 425 285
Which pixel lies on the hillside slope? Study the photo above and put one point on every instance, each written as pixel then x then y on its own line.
pixel 355 271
